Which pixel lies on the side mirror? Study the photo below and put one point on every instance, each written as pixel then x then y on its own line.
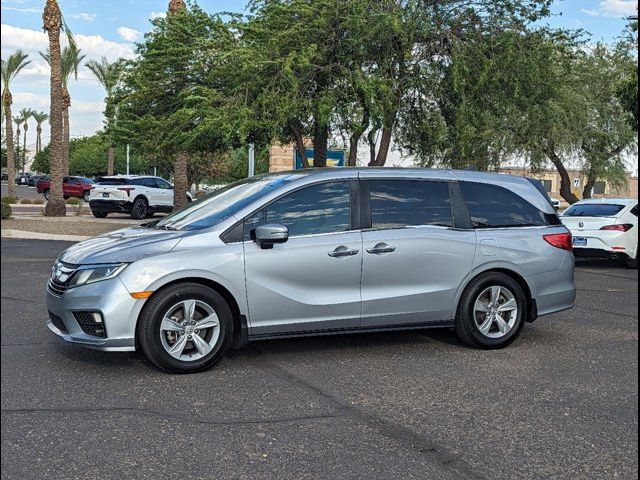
pixel 268 235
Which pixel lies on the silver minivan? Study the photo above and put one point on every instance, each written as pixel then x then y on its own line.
pixel 317 252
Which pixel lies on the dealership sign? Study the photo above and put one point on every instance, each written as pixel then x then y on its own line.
pixel 335 158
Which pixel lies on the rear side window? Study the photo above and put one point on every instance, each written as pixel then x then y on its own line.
pixel 145 182
pixel 491 206
pixel 403 203
pixel 594 210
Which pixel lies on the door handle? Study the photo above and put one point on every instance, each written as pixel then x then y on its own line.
pixel 381 248
pixel 343 251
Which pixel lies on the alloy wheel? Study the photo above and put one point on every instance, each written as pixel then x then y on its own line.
pixel 189 330
pixel 495 311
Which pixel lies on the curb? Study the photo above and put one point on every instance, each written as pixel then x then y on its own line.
pixel 10 233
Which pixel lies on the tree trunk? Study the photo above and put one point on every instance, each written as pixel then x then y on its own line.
pixel 180 181
pixel 565 181
pixel 372 140
pixel 24 147
pixel 385 144
pixel 52 19
pixel 111 162
pixel 355 139
pixel 66 104
pixel 18 149
pixel 296 128
pixel 587 191
pixel 38 138
pixel 11 160
pixel 320 141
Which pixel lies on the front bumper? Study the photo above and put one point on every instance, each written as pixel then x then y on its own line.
pixel 110 206
pixel 111 299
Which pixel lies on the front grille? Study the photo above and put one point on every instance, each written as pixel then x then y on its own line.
pixel 56 288
pixel 89 325
pixel 57 322
pixel 59 281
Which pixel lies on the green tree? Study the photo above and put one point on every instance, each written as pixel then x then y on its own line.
pixel 87 157
pixel 610 125
pixel 108 74
pixel 9 70
pixel 357 65
pixel 40 118
pixel 25 115
pixel 172 102
pixel 71 58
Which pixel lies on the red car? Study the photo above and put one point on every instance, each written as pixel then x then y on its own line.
pixel 71 187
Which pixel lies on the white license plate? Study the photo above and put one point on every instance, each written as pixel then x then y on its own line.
pixel 105 195
pixel 579 242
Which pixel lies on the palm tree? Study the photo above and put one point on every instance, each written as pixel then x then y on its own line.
pixel 52 24
pixel 10 69
pixel 40 118
pixel 71 59
pixel 26 114
pixel 108 75
pixel 18 120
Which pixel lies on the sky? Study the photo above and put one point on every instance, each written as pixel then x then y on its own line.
pixel 111 28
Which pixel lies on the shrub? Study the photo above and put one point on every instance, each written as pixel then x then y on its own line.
pixel 38 201
pixel 9 200
pixel 25 201
pixel 6 210
pixel 73 201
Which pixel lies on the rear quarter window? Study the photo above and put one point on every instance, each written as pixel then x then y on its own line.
pixel 492 206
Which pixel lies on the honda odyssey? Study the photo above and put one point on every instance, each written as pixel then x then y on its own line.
pixel 316 252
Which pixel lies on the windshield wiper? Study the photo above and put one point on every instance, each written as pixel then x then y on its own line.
pixel 166 227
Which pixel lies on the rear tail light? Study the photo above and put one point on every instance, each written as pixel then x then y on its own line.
pixel 126 189
pixel 622 227
pixel 560 240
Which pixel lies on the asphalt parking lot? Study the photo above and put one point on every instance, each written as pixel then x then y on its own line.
pixel 562 402
pixel 23 191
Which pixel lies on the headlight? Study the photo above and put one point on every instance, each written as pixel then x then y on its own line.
pixel 95 273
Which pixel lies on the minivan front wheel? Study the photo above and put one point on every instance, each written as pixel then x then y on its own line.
pixel 185 328
pixel 491 312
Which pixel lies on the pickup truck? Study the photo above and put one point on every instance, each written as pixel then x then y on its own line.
pixel 79 187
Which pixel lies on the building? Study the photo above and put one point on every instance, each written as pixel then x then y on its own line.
pixel 551 180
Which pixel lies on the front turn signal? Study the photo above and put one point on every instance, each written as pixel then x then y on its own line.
pixel 142 295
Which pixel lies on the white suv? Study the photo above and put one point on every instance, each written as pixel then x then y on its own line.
pixel 139 196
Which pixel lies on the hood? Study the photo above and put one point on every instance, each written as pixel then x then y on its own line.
pixel 126 245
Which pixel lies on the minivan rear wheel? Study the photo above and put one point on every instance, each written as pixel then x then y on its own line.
pixel 491 312
pixel 185 328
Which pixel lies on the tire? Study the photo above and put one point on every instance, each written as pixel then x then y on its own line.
pixel 87 196
pixel 504 326
pixel 47 192
pixel 99 214
pixel 632 263
pixel 156 342
pixel 66 197
pixel 139 208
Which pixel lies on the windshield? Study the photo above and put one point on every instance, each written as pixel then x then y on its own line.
pixel 594 210
pixel 223 203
